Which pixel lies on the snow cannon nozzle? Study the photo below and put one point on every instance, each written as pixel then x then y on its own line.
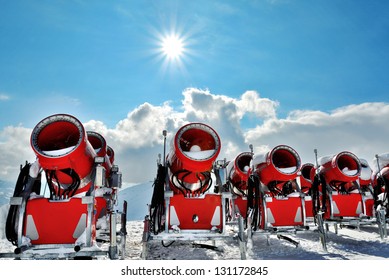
pixel 280 164
pixel 197 146
pixel 193 152
pixel 61 145
pixel 57 136
pixel 342 167
pixel 238 172
pixel 100 146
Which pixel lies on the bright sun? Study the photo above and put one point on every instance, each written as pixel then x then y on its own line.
pixel 172 47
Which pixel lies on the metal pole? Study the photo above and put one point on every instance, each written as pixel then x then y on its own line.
pixel 164 133
pixel 113 244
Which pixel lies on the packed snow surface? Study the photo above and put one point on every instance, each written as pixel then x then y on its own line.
pixel 348 244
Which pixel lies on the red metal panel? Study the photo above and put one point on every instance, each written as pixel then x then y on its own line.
pixel 55 221
pixel 204 208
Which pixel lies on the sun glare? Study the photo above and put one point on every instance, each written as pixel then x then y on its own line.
pixel 172 47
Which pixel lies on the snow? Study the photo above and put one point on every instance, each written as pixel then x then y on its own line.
pixel 288 170
pixel 259 158
pixel 324 159
pixel 199 155
pixel 349 172
pixel 59 152
pixel 379 163
pixel 348 244
pixel 366 170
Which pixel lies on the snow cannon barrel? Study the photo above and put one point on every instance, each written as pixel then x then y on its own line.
pixel 111 154
pixel 307 171
pixel 194 149
pixel 238 172
pixel 100 146
pixel 366 172
pixel 281 164
pixel 342 167
pixel 61 146
pixel 380 168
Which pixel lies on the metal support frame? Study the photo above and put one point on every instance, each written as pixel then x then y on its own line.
pixel 323 224
pixel 187 234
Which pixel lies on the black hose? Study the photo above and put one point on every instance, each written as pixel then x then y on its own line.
pixel 12 217
pixel 157 207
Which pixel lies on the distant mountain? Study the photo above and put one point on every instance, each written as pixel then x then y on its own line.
pixel 6 191
pixel 137 197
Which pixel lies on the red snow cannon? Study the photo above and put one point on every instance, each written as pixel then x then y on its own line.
pixel 307 172
pixel 111 154
pixel 237 175
pixel 64 152
pixel 237 172
pixel 341 173
pixel 380 170
pixel 380 183
pixel 194 149
pixel 366 172
pixel 281 204
pixel 342 167
pixel 280 164
pixel 101 149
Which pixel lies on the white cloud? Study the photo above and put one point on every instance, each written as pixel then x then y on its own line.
pixel 14 151
pixel 360 129
pixel 137 139
pixel 4 97
pixel 251 102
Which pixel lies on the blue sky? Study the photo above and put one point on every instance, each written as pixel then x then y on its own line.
pixel 102 61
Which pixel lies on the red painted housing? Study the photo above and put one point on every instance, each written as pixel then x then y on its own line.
pixel 100 146
pixel 306 171
pixel 280 164
pixel 342 167
pixel 194 149
pixel 56 222
pixel 366 173
pixel 60 142
pixel 238 172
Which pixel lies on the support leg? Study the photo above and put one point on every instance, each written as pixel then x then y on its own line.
pixel 322 233
pixel 242 241
pixel 381 221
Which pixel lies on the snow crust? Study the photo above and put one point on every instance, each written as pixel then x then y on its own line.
pixel 259 158
pixel 349 172
pixel 288 169
pixel 59 152
pixel 199 155
pixel 366 170
pixel 383 160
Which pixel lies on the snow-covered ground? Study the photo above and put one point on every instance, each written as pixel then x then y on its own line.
pixel 348 244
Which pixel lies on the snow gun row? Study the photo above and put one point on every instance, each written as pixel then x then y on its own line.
pixel 196 195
